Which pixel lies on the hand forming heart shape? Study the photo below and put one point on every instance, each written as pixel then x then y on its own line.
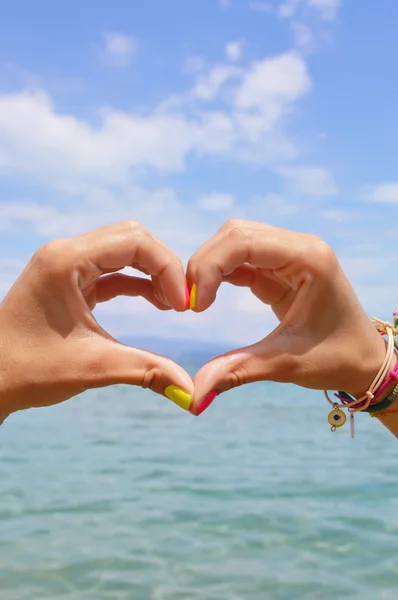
pixel 53 348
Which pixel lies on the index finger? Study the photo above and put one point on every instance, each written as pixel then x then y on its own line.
pixel 243 242
pixel 126 244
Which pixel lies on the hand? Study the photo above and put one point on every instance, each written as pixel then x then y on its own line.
pixel 324 339
pixel 51 346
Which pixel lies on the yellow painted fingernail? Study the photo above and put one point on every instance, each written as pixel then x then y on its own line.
pixel 192 297
pixel 177 395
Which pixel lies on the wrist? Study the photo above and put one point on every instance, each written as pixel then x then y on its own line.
pixel 8 396
pixel 6 408
pixel 391 385
pixel 368 365
pixel 7 405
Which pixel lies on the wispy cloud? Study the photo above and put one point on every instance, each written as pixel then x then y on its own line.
pixel 216 201
pixel 326 9
pixel 210 84
pixel 233 50
pixel 311 180
pixel 289 9
pixel 386 193
pixel 272 84
pixel 118 49
pixel 246 125
pixel 302 36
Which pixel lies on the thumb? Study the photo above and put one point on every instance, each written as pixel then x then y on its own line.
pixel 266 360
pixel 111 362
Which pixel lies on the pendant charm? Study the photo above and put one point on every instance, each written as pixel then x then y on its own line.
pixel 352 427
pixel 336 418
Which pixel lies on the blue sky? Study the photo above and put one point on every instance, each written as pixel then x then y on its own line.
pixel 184 114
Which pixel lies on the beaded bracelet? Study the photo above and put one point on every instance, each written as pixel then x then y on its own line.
pixel 337 417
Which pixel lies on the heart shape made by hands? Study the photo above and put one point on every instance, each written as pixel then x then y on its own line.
pixel 315 344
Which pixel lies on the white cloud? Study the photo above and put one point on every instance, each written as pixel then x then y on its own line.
pixel 36 139
pixel 302 36
pixel 118 49
pixel 247 125
pixel 384 193
pixel 216 201
pixel 272 84
pixel 326 9
pixel 225 3
pixel 159 209
pixel 311 180
pixel 209 85
pixel 233 50
pixel 288 9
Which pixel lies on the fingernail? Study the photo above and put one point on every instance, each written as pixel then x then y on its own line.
pixel 177 395
pixel 187 295
pixel 192 297
pixel 207 400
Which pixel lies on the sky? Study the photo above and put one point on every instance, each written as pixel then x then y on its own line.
pixel 183 114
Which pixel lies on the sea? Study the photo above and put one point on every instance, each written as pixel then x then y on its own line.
pixel 118 494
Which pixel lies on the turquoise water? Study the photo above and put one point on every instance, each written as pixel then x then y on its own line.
pixel 120 495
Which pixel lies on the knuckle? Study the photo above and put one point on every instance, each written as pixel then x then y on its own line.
pixel 233 224
pixel 323 256
pixel 53 257
pixel 167 262
pixel 134 226
pixel 237 376
pixel 151 378
pixel 238 233
pixel 140 233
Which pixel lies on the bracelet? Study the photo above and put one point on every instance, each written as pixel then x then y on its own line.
pixel 337 417
pixel 381 409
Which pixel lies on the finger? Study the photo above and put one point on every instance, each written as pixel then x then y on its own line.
pixel 265 247
pixel 109 362
pixel 265 360
pixel 207 248
pixel 209 244
pixel 125 244
pixel 111 286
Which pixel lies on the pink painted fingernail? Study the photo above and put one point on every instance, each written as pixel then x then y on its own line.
pixel 207 400
pixel 187 295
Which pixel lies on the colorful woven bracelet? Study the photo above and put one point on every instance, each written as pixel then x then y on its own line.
pixel 365 403
pixel 382 406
